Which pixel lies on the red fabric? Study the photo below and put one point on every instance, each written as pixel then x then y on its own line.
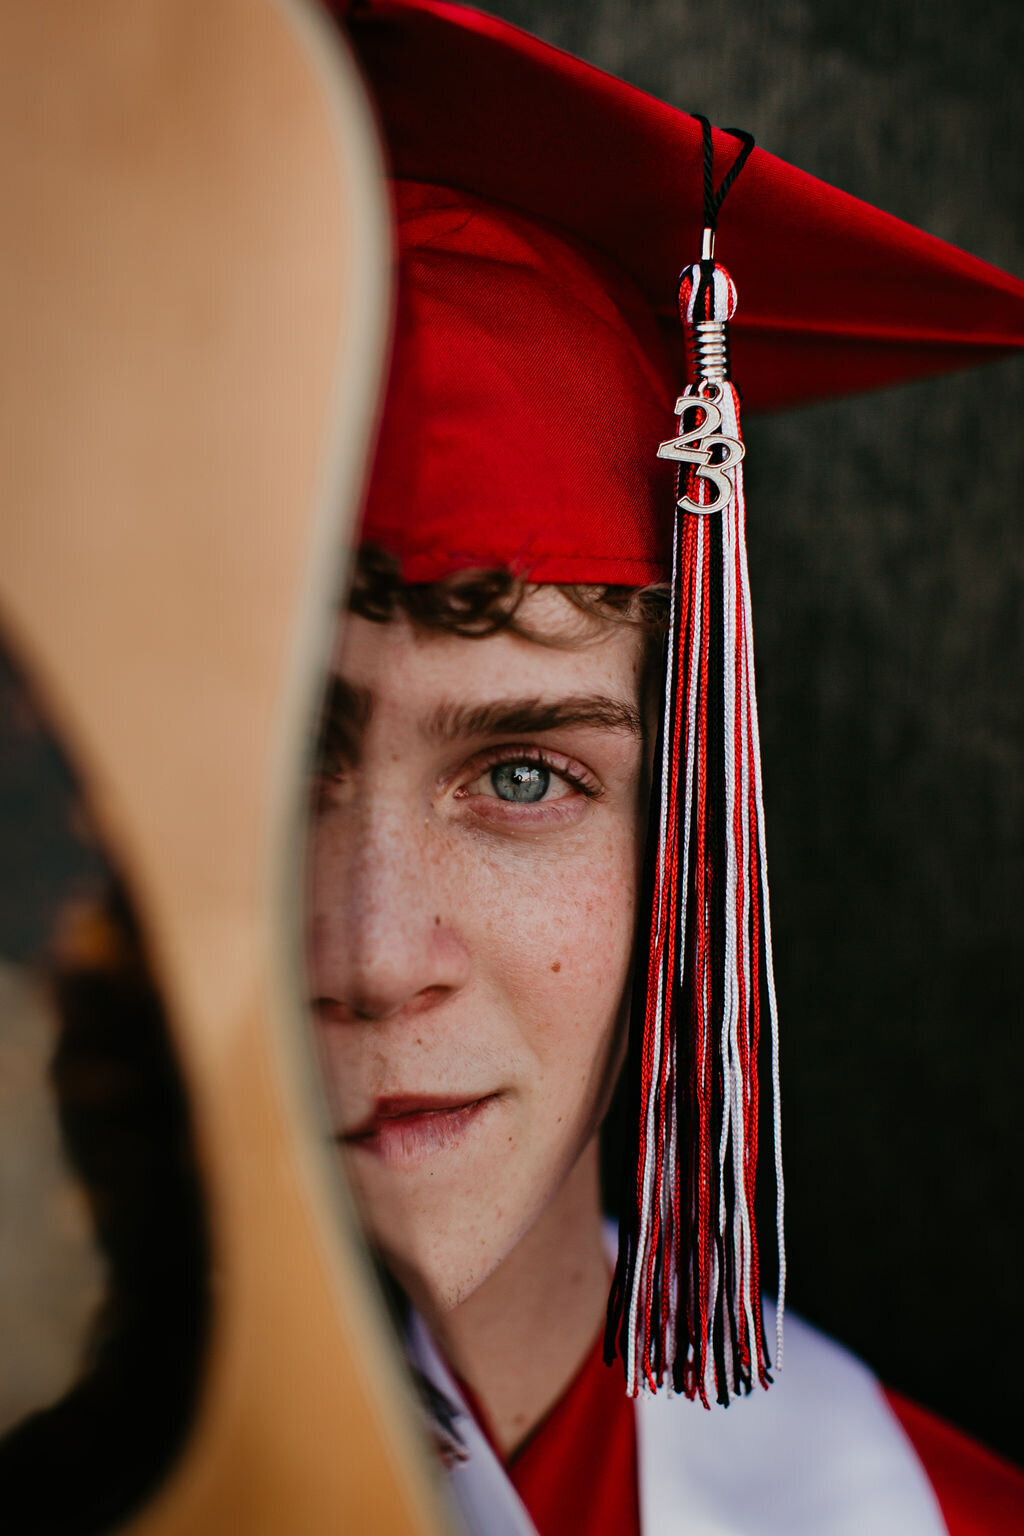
pixel 544 212
pixel 528 392
pixel 834 296
pixel 577 1474
pixel 979 1493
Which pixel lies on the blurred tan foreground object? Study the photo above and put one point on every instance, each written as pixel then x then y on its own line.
pixel 194 313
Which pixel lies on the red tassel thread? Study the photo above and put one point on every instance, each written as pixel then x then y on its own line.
pixel 686 1299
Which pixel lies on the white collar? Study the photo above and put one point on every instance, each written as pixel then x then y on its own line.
pixel 479 1486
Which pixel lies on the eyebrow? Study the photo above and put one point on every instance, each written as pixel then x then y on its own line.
pixel 451 721
pixel 347 710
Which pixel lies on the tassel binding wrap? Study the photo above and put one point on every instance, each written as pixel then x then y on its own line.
pixel 685 1306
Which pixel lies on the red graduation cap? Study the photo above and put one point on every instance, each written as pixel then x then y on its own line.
pixel 836 297
pixel 545 211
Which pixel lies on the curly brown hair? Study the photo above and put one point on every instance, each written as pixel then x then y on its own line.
pixel 478 603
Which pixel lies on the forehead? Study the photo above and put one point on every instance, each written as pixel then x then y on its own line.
pixel 413 668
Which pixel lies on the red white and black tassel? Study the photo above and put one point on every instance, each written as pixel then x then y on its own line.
pixel 685 1308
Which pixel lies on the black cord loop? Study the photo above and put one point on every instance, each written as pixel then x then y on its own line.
pixel 715 197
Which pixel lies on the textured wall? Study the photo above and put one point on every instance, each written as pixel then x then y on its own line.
pixel 887 546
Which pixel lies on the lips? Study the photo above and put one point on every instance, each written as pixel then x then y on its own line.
pixel 411 1127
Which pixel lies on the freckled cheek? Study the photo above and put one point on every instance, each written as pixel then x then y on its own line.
pixel 557 939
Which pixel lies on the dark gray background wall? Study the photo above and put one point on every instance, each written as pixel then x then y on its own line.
pixel 887 546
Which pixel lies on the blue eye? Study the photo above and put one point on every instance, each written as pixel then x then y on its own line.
pixel 522 782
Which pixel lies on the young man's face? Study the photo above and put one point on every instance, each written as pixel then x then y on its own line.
pixel 474 863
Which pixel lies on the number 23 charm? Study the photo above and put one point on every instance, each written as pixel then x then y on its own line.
pixel 696 447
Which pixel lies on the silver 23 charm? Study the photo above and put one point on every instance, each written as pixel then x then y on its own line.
pixel 698 446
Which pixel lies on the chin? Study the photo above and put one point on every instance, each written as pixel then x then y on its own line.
pixel 440 1281
pixel 441 1245
pixel 440 1264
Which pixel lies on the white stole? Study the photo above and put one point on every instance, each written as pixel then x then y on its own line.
pixel 819 1454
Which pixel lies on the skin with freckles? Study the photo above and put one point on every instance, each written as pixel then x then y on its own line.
pixel 474 858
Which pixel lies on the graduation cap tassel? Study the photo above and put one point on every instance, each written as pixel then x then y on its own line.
pixel 686 1299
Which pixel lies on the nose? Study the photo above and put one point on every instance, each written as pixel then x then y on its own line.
pixel 384 937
